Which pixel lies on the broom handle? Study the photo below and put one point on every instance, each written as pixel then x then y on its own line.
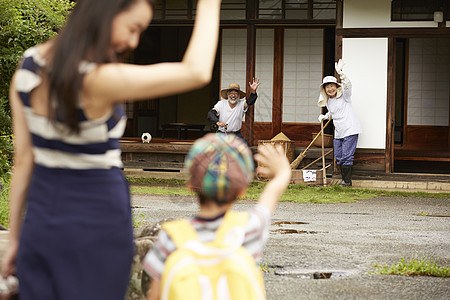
pixel 324 173
pixel 316 160
pixel 300 157
pixel 317 135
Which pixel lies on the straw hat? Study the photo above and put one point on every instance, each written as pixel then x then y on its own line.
pixel 232 87
pixel 323 97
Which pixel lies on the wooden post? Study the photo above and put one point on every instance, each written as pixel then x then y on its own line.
pixel 390 109
pixel 277 104
pixel 250 73
pixel 324 173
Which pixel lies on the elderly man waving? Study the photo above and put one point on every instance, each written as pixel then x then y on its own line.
pixel 229 112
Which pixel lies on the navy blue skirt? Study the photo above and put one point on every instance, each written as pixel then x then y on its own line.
pixel 77 236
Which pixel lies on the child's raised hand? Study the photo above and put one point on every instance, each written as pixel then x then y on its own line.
pixel 272 160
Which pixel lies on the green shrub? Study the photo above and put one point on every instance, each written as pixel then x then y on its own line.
pixel 23 24
pixel 4 201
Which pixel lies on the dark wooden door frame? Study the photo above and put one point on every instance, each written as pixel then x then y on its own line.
pixel 251 14
pixel 390 106
pixel 278 67
pixel 250 73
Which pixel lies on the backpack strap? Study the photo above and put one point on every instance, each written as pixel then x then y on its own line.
pixel 232 220
pixel 180 231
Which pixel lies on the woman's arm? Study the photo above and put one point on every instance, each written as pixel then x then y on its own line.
pixel 346 83
pixel 273 163
pixel 125 82
pixel 346 87
pixel 23 167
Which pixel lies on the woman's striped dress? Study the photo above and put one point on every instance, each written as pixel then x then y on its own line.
pixel 77 237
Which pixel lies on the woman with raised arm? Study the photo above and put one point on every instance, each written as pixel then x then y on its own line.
pixel 70 219
pixel 337 97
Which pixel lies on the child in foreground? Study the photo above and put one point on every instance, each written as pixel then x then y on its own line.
pixel 221 168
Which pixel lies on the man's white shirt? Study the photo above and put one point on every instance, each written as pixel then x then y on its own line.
pixel 231 116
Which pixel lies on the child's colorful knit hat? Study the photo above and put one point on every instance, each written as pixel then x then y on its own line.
pixel 220 167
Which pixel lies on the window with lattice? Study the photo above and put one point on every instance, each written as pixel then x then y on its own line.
pixel 418 10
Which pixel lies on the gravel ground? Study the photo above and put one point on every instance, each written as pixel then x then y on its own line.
pixel 342 241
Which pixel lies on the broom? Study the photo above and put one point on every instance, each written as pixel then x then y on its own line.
pixel 297 161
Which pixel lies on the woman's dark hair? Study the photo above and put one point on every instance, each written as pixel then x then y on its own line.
pixel 86 36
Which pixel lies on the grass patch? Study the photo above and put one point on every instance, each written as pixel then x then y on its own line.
pixel 138 219
pixel 309 194
pixel 4 201
pixel 265 268
pixel 161 190
pixel 295 192
pixel 413 267
pixel 152 180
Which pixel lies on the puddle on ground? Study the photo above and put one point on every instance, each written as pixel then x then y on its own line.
pixel 289 230
pixel 313 275
pixel 292 231
pixel 288 223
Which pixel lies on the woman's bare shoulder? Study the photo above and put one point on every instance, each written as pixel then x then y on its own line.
pixel 44 50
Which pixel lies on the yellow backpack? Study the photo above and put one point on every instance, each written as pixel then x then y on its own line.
pixel 221 269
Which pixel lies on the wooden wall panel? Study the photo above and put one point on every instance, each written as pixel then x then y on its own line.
pixel 427 137
pixel 262 131
pixel 301 134
pixel 370 160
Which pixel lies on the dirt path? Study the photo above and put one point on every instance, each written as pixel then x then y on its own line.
pixel 342 241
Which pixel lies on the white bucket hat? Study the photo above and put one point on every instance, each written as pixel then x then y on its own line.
pixel 323 97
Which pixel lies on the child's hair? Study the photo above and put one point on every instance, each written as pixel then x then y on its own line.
pixel 220 167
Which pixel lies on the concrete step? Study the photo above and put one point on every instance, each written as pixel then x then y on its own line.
pixel 409 186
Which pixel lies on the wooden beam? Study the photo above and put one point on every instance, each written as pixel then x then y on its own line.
pixel 338 38
pixel 251 9
pixel 405 94
pixel 263 22
pixel 390 109
pixel 339 14
pixel 278 60
pixel 422 158
pixel 250 73
pixel 338 51
pixel 154 165
pixel 155 147
pixel 392 32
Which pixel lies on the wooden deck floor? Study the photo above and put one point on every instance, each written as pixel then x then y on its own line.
pixel 169 154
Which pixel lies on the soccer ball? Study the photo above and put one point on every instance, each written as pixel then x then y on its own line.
pixel 146 137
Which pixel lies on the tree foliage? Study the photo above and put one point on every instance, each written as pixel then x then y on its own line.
pixel 23 24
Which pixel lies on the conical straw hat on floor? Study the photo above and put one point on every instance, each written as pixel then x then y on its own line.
pixel 280 137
